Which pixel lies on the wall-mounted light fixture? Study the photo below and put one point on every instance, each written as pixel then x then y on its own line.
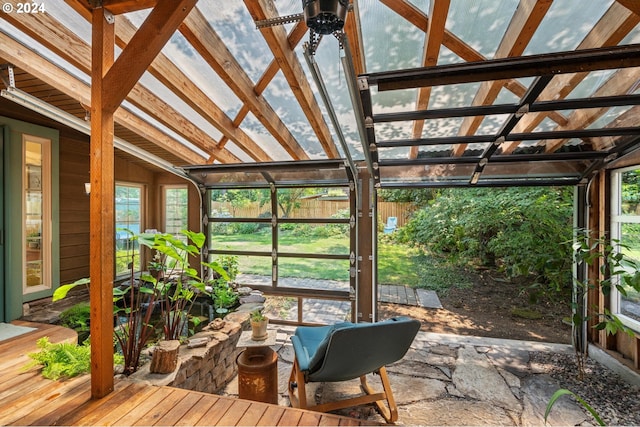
pixel 87 188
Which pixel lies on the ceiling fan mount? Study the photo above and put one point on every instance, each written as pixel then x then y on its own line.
pixel 321 16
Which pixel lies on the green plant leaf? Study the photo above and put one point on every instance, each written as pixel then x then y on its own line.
pixel 63 290
pixel 563 392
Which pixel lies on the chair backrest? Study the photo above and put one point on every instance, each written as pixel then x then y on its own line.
pixel 392 222
pixel 364 347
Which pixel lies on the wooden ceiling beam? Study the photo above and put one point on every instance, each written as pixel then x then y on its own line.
pixel 614 25
pixel 210 46
pixel 37 66
pixel 522 27
pixel 438 12
pixel 118 7
pixel 145 45
pixel 50 33
pixel 620 82
pixel 182 86
pixel 632 5
pixel 353 30
pixel 297 33
pixel 294 73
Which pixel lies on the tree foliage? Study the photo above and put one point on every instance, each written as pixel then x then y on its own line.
pixel 522 231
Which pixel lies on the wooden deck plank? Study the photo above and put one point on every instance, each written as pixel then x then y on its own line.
pixel 271 416
pixel 188 402
pixel 32 401
pixel 170 400
pixel 234 413
pixel 133 413
pixel 11 384
pixel 310 419
pixel 252 415
pixel 48 414
pixel 28 399
pixel 191 418
pixel 92 410
pixel 215 413
pixel 291 418
pixel 135 399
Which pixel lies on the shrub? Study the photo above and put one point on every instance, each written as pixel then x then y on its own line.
pixel 520 231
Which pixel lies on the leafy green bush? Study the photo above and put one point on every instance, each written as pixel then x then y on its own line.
pixel 77 318
pixel 521 231
pixel 64 360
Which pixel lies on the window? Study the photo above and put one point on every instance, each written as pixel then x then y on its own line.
pixel 625 226
pixel 175 210
pixel 128 207
pixel 36 224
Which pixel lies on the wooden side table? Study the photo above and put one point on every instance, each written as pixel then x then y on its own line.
pixel 258 369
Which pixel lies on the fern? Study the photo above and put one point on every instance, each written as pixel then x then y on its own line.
pixel 63 360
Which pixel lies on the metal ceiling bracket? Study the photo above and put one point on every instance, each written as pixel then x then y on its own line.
pixel 271 22
pixel 522 111
pixel 11 82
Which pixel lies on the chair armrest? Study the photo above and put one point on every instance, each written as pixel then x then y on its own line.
pixel 301 353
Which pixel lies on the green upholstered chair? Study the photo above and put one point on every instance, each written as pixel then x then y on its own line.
pixel 345 351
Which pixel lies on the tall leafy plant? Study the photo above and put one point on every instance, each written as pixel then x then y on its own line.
pixel 616 270
pixel 174 292
pixel 180 284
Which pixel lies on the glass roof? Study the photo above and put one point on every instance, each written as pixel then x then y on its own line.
pixel 390 42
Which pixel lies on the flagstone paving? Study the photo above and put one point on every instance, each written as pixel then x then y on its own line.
pixel 453 380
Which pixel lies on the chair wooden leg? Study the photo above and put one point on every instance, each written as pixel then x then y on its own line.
pixel 296 381
pixel 390 412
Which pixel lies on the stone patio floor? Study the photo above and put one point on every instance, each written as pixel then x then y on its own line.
pixel 452 380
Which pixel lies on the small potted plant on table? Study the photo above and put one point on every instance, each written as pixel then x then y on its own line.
pixel 259 324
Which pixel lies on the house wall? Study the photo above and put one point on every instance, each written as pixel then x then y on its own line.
pixel 623 347
pixel 74 202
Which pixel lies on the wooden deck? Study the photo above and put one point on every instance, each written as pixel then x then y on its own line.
pixel 29 399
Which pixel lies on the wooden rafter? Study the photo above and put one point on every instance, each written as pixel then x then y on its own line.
pixel 439 9
pixel 118 7
pixel 47 31
pixel 182 86
pixel 144 46
pixel 206 41
pixel 522 27
pixel 353 30
pixel 293 72
pixel 614 25
pixel 297 33
pixel 76 89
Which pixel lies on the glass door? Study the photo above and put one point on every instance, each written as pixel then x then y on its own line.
pixel 3 318
pixel 36 215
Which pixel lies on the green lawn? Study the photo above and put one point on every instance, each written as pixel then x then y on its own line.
pixel 397 264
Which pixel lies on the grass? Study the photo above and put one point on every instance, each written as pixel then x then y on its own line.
pixel 397 264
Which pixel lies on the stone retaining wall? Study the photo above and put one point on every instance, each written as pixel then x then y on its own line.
pixel 208 368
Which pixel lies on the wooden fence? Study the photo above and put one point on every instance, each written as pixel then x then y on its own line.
pixel 315 208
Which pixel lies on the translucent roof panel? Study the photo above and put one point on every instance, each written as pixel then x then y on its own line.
pixel 555 35
pixel 44 52
pixel 252 127
pixel 280 97
pixel 234 25
pixel 309 173
pixel 391 43
pixel 480 24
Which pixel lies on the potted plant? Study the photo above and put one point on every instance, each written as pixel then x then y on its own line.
pixel 259 323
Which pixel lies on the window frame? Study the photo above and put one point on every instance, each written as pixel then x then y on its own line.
pixel 142 206
pixel 46 226
pixel 617 219
pixel 166 188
